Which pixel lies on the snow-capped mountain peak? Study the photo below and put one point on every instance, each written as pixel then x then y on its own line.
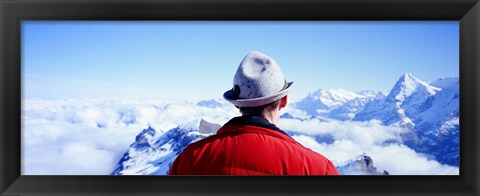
pixel 408 97
pixel 407 85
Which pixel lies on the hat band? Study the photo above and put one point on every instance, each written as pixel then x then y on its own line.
pixel 236 91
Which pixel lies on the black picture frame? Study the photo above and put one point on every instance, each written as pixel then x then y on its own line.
pixel 12 12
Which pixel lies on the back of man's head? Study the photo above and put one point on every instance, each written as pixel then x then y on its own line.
pixel 260 110
pixel 258 84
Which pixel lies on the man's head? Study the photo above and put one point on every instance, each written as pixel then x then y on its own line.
pixel 270 111
pixel 258 85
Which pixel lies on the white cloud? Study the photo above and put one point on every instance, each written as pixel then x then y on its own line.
pixel 361 133
pixel 338 152
pixel 399 159
pixel 394 158
pixel 86 136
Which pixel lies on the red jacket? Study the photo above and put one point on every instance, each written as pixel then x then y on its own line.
pixel 250 146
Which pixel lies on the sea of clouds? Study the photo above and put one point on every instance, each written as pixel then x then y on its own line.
pixel 89 136
pixel 370 138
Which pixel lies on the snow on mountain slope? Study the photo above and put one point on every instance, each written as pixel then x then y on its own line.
pixel 348 110
pixel 443 106
pixel 415 104
pixel 430 111
pixel 322 102
pixel 439 126
pixel 409 97
pixel 408 86
pixel 443 83
pixel 153 152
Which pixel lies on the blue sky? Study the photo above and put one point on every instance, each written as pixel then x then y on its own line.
pixel 197 60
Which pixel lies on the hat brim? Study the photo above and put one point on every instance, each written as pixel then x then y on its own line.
pixel 256 101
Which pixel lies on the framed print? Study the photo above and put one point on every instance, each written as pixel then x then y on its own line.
pixel 100 97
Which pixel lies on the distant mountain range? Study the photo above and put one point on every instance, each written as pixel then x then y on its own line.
pixel 336 103
pixel 430 111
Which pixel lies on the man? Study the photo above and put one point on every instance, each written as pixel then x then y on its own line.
pixel 251 144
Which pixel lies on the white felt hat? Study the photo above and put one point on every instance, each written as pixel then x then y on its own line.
pixel 258 81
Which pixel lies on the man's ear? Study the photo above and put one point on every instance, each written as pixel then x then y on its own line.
pixel 283 102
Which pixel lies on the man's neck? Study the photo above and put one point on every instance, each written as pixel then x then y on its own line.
pixel 272 117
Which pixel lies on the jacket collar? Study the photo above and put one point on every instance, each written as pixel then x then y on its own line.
pixel 257 121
